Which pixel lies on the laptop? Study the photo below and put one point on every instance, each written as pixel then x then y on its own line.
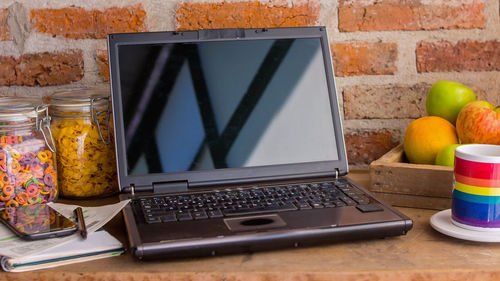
pixel 230 140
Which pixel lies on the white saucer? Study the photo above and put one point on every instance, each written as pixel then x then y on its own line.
pixel 442 222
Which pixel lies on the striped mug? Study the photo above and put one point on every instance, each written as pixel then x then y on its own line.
pixel 476 187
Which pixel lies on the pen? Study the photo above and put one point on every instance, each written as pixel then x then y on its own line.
pixel 81 222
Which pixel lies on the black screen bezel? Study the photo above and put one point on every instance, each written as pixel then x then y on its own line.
pixel 227 175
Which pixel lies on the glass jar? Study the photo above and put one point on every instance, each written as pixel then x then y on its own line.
pixel 27 159
pixel 83 136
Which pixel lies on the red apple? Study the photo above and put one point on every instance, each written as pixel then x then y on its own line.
pixel 479 122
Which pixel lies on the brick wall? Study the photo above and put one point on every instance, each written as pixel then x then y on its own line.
pixel 386 53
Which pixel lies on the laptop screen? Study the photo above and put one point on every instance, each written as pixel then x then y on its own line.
pixel 224 104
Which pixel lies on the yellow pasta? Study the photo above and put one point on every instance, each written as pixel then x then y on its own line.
pixel 86 166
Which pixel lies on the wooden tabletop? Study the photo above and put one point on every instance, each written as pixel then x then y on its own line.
pixel 423 254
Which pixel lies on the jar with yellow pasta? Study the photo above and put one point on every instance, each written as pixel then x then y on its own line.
pixel 83 136
pixel 27 164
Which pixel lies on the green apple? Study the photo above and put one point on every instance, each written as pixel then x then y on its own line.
pixel 446 98
pixel 446 156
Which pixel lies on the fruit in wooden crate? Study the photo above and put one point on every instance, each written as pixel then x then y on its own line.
pixel 479 122
pixel 446 156
pixel 446 98
pixel 425 137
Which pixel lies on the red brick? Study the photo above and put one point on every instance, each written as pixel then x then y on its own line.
pixel 102 60
pixel 462 56
pixel 43 69
pixel 364 146
pixel 7 71
pixel 364 58
pixel 409 15
pixel 4 28
pixel 385 102
pixel 248 14
pixel 48 69
pixel 77 22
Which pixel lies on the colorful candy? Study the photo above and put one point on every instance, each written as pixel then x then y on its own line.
pixel 27 173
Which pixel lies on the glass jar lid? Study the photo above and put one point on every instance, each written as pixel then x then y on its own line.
pixel 24 111
pixel 81 103
pixel 20 112
pixel 80 99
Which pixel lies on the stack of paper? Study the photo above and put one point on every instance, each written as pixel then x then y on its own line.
pixel 19 255
pixel 99 244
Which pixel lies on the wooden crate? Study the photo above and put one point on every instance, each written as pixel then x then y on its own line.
pixel 400 183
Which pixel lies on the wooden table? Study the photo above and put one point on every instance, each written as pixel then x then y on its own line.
pixel 423 254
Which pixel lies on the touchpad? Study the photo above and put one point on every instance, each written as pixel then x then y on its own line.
pixel 254 223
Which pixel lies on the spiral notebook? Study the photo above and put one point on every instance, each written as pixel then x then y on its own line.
pixel 98 245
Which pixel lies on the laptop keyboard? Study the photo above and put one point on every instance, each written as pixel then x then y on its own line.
pixel 248 201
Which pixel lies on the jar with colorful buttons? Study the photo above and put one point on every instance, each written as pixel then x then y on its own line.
pixel 28 173
pixel 81 126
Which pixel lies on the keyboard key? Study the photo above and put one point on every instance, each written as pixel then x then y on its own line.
pixel 215 214
pixel 347 200
pixel 339 203
pixel 304 206
pixel 153 220
pixel 168 217
pixel 329 205
pixel 269 209
pixel 199 215
pixel 184 216
pixel 362 200
pixel 317 205
pixel 369 208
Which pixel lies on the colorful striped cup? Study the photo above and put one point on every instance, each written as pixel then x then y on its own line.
pixel 476 187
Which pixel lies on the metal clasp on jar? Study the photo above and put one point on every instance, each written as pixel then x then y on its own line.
pixel 95 117
pixel 43 124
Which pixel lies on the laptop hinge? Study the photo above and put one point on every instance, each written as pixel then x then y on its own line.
pixel 133 189
pixel 173 186
pixel 336 174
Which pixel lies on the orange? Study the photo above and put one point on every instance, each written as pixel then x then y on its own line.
pixel 426 136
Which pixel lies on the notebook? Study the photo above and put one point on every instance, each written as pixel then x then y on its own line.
pixel 230 140
pixel 99 244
